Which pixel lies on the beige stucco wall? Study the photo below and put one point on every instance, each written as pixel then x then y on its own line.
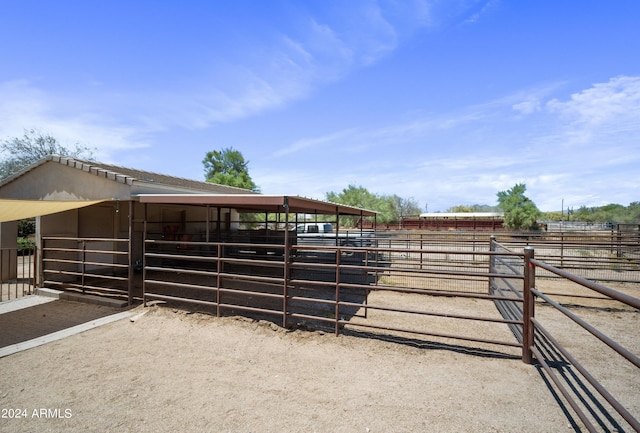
pixel 54 181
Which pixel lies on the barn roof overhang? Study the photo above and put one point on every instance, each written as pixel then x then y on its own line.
pixel 249 203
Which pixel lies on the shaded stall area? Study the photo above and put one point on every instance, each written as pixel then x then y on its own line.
pixel 254 263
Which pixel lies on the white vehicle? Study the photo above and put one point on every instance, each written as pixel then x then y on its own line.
pixel 321 233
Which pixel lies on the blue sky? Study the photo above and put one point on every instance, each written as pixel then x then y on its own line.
pixel 443 101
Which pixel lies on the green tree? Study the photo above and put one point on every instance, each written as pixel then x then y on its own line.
pixel 228 167
pixel 20 152
pixel 615 213
pixel 404 207
pixel 390 208
pixel 472 208
pixel 520 213
pixel 460 208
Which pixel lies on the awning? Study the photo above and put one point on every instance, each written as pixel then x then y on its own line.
pixel 258 203
pixel 14 210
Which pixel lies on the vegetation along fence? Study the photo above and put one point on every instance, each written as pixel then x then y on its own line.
pixel 17 271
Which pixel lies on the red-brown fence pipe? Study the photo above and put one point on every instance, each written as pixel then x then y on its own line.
pixel 528 309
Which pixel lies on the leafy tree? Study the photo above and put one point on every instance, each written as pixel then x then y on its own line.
pixel 472 208
pixel 404 207
pixel 615 213
pixel 520 213
pixel 228 167
pixel 26 227
pixel 390 208
pixel 20 152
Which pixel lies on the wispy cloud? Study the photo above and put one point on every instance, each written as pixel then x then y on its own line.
pixel 299 60
pixel 23 106
pixel 482 8
pixel 485 148
pixel 288 64
pixel 607 114
pixel 616 101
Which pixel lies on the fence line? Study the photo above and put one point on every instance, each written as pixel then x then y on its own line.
pixel 324 285
pixel 88 265
pixel 17 273
pixel 330 286
pixel 542 345
pixel 608 256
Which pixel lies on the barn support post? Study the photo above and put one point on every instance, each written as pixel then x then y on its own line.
pixel 337 307
pixel 144 254
pixel 528 307
pixel 131 275
pixel 207 223
pixel 220 251
pixel 285 271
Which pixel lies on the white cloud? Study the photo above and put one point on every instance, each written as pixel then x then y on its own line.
pixel 528 106
pixel 479 150
pixel 616 101
pixel 25 107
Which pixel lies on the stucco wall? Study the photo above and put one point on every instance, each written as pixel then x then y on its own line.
pixel 53 181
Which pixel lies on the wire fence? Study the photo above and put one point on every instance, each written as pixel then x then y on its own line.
pixel 604 256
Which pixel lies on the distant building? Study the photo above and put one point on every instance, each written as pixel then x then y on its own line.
pixel 455 221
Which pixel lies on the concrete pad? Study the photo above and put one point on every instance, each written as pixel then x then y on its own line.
pixel 43 291
pixel 24 302
pixel 35 342
pixel 46 316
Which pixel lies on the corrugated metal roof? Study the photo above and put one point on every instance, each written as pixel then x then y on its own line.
pixel 128 175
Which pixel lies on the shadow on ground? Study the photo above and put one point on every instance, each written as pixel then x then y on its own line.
pixel 33 322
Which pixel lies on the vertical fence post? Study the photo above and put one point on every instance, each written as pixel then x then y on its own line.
pixel 219 263
pixel 492 264
pixel 337 310
pixel 144 255
pixel 131 271
pixel 84 260
pixel 528 310
pixel 285 270
pixel 35 268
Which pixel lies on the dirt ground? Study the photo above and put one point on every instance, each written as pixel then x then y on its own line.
pixel 170 370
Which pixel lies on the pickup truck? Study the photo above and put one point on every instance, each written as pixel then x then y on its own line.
pixel 321 233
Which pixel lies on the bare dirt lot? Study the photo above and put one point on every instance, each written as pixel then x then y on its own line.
pixel 176 371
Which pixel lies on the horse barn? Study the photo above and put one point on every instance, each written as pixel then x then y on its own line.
pixel 122 236
pixel 455 221
pixel 98 225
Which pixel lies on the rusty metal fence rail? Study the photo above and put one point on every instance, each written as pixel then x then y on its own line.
pixel 605 256
pixel 317 286
pixel 567 368
pixel 17 271
pixel 598 256
pixel 87 265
